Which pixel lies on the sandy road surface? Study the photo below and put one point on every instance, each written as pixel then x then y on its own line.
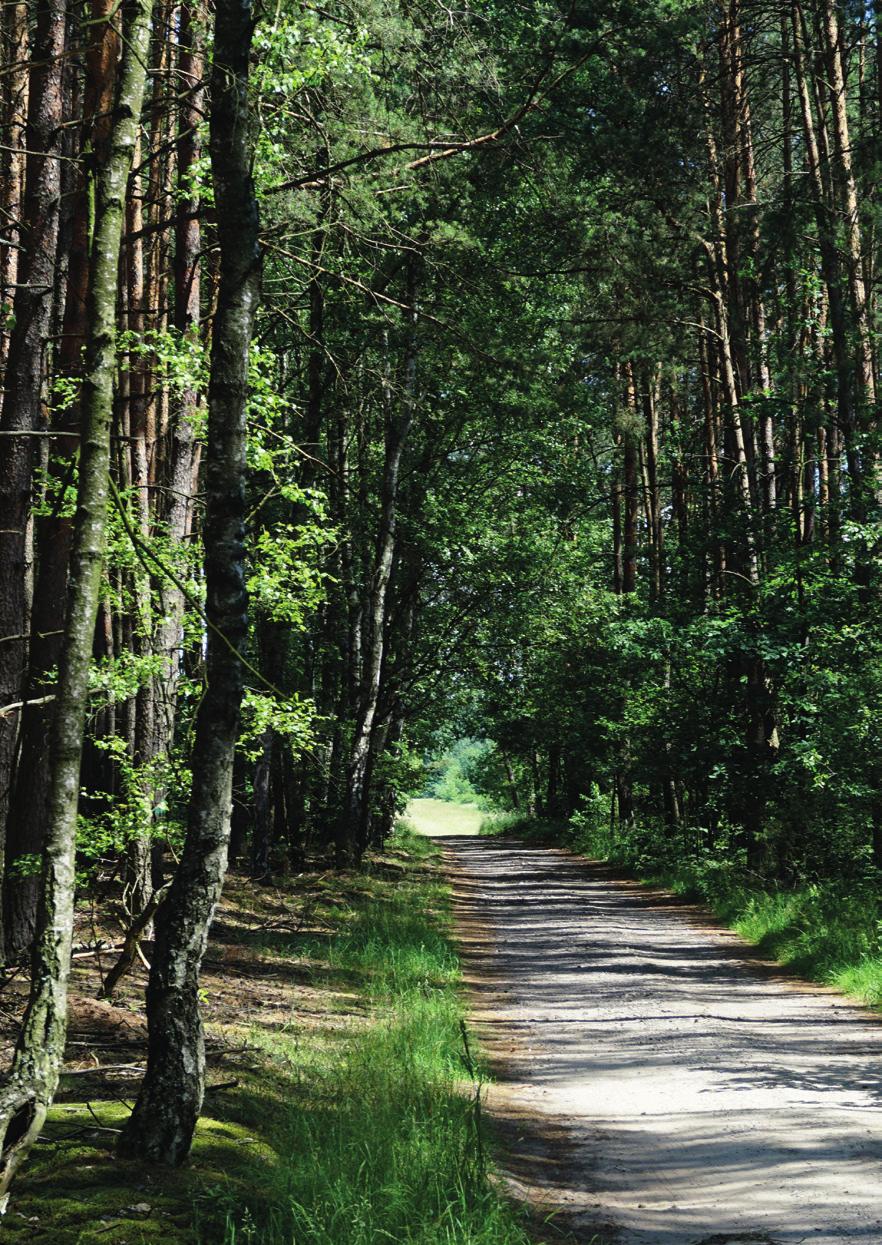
pixel 654 1083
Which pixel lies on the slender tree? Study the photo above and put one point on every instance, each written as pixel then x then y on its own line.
pixel 162 1124
pixel 30 1084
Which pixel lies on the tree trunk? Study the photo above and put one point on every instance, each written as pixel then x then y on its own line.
pixel 162 1124
pixel 354 822
pixel 14 33
pixel 29 1086
pixel 742 466
pixel 712 473
pixel 631 496
pixel 616 503
pixel 23 405
pixel 654 510
pixel 175 504
pixel 749 209
pixel 262 822
pixel 849 198
pixel 26 824
pixel 829 267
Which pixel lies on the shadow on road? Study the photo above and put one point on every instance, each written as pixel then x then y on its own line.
pixel 650 1072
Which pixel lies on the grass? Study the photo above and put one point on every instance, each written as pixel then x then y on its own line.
pixel 351 1125
pixel 827 931
pixel 822 931
pixel 439 817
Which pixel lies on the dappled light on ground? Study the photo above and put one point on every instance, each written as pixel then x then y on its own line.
pixel 653 1075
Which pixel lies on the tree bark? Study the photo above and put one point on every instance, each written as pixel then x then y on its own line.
pixel 629 489
pixel 28 814
pixel 749 208
pixel 175 502
pixel 712 473
pixel 650 398
pixel 262 821
pixel 830 268
pixel 353 829
pixel 849 198
pixel 14 33
pixel 29 1086
pixel 23 405
pixel 162 1124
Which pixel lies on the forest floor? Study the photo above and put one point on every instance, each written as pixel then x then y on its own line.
pixel 656 1081
pixel 341 1100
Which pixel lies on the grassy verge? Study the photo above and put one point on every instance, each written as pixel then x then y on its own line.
pixel 348 1124
pixel 829 931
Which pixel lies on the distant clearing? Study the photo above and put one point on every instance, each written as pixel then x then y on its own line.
pixel 439 817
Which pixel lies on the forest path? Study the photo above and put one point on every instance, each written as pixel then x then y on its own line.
pixel 655 1083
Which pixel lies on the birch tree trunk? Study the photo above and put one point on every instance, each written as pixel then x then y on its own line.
pixel 162 1124
pixel 14 96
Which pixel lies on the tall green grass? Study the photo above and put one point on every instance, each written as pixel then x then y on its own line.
pixel 353 1119
pixel 379 1140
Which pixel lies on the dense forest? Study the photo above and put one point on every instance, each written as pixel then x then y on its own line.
pixel 376 375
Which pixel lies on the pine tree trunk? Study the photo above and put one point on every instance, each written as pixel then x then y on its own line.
pixel 353 829
pixel 712 474
pixel 26 826
pixel 175 504
pixel 629 490
pixel 849 199
pixel 816 161
pixel 759 366
pixel 29 1086
pixel 23 404
pixel 650 410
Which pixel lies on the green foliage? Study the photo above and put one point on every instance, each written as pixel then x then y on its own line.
pixel 292 719
pixel 27 865
pixel 147 803
pixel 285 583
pixel 178 361
pixel 454 774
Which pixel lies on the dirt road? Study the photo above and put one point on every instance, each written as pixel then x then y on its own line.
pixel 655 1084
